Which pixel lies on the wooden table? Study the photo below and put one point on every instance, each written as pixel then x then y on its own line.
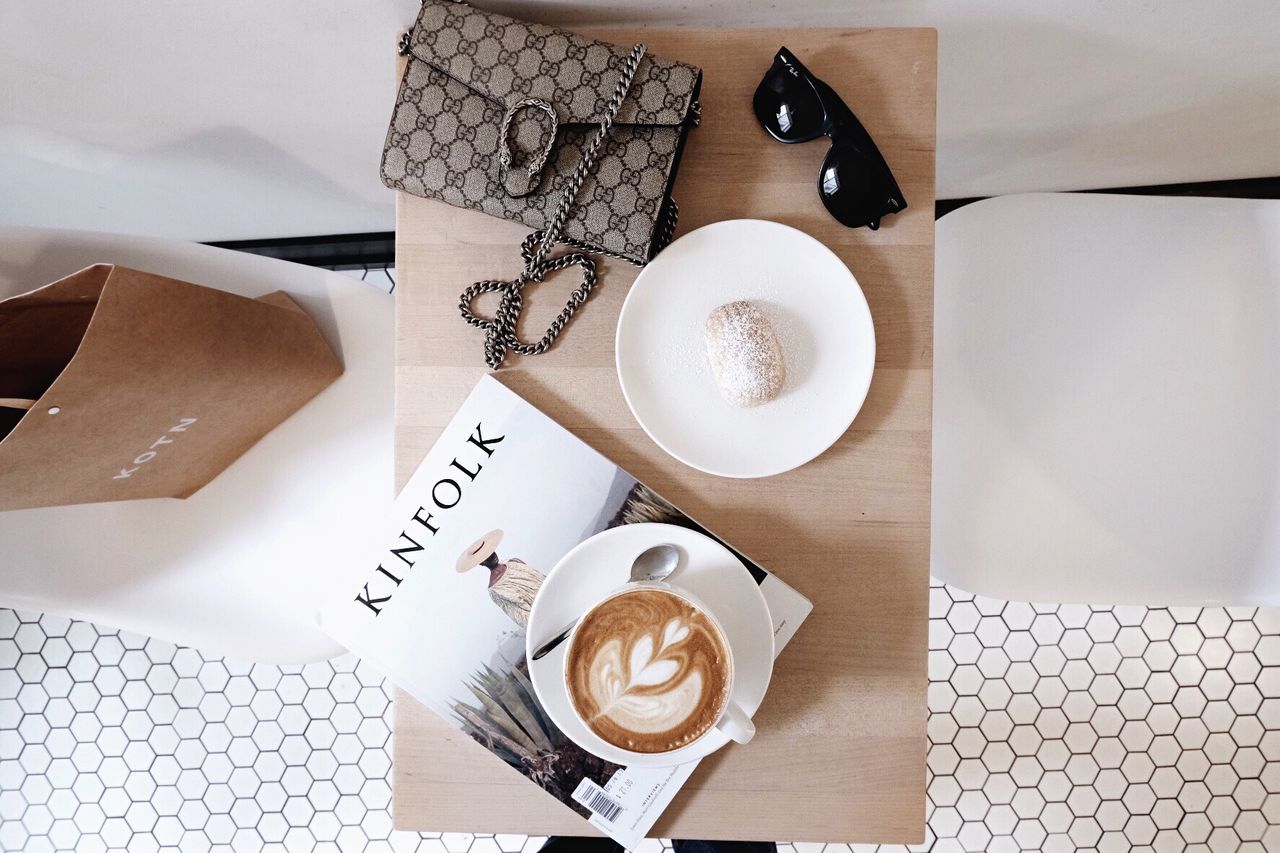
pixel 840 754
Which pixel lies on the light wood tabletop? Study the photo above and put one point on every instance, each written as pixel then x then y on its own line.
pixel 840 753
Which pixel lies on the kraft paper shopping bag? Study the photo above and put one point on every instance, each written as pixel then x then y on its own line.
pixel 118 384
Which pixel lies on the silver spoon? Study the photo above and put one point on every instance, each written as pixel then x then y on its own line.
pixel 653 564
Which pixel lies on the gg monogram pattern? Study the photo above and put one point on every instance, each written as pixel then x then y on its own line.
pixel 466 68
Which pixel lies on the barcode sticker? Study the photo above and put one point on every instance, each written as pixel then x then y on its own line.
pixel 594 797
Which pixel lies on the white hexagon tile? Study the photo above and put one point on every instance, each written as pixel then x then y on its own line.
pixel 1052 728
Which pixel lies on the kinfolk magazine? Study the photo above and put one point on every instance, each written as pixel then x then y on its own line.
pixel 441 606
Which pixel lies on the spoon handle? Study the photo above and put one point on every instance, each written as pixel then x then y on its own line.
pixel 545 648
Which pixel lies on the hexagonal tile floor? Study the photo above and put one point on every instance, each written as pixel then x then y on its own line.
pixel 1051 728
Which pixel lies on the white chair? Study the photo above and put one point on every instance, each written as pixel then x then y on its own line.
pixel 238 568
pixel 1107 400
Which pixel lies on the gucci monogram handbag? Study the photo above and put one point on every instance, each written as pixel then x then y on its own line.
pixel 578 139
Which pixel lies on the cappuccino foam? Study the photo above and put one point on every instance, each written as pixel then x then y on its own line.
pixel 648 671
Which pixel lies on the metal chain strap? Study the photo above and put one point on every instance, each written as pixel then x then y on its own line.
pixel 500 331
pixel 667 227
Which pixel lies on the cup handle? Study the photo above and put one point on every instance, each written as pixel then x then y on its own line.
pixel 736 724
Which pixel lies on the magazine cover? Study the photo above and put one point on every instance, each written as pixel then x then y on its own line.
pixel 441 606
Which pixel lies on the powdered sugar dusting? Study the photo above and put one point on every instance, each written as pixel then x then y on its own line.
pixel 744 352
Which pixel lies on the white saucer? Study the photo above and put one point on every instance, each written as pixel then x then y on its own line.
pixel 601 564
pixel 823 324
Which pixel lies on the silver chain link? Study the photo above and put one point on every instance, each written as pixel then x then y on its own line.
pixel 500 331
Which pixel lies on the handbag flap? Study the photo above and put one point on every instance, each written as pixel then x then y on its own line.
pixel 508 60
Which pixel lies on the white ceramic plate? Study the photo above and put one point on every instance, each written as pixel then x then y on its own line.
pixel 603 563
pixel 823 325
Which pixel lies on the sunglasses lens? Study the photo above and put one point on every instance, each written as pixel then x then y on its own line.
pixel 787 105
pixel 857 189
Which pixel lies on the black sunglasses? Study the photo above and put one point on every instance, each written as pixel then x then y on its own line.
pixel 854 182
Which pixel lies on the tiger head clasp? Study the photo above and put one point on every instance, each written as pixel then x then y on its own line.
pixel 537 161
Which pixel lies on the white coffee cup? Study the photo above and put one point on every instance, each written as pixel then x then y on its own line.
pixel 732 720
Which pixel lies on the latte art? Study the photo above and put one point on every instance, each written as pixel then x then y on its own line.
pixel 648 671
